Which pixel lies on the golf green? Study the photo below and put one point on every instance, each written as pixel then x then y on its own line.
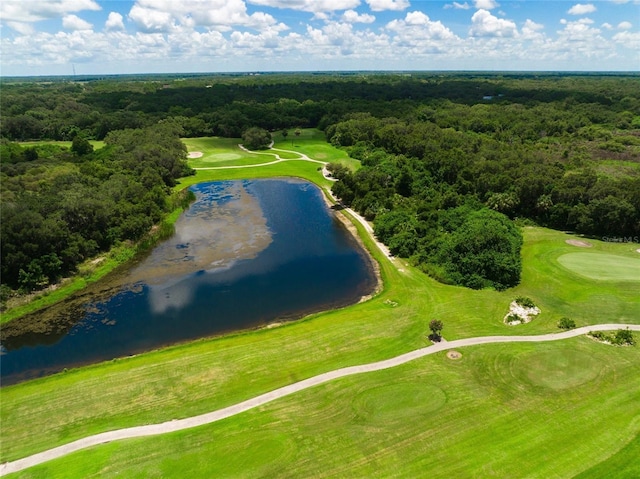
pixel 601 266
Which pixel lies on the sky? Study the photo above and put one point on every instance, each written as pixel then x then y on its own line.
pixel 60 37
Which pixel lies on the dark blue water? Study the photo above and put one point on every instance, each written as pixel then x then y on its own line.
pixel 305 261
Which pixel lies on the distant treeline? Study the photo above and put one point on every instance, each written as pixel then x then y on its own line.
pixel 228 106
pixel 442 154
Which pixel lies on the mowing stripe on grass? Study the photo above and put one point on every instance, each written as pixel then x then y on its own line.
pixel 603 267
pixel 177 425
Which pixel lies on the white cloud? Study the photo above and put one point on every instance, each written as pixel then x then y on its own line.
pixel 532 30
pixel 607 26
pixel 73 22
pixel 167 15
pixel 314 6
pixel 421 34
pixel 21 27
pixel 114 22
pixel 629 40
pixel 36 10
pixel 486 4
pixel 483 24
pixel 177 35
pixel 351 16
pixel 382 5
pixel 150 20
pixel 458 6
pixel 625 26
pixel 581 9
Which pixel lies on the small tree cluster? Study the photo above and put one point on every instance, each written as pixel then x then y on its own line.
pixel 256 138
pixel 436 329
pixel 622 337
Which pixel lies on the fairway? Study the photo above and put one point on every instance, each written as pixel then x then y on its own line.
pixel 603 267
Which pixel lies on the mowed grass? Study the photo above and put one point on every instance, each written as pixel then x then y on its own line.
pixel 198 377
pixel 219 152
pixel 484 415
pixel 600 266
pixel 97 144
pixel 312 143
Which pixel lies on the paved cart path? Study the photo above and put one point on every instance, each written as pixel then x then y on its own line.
pixel 179 424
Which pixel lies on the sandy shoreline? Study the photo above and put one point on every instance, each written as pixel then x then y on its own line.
pixel 375 266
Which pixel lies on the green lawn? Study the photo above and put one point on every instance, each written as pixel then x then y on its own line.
pixel 97 144
pixel 510 410
pixel 485 415
pixel 312 143
pixel 222 152
pixel 604 267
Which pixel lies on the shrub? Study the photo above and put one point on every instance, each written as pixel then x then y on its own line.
pixel 623 337
pixel 513 318
pixel 566 323
pixel 525 302
pixel 599 335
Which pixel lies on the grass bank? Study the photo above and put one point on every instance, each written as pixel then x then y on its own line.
pixel 95 269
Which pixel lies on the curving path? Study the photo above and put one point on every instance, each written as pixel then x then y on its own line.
pixel 278 159
pixel 381 246
pixel 177 425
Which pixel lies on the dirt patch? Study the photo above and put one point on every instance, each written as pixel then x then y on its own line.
pixel 454 354
pixel 195 154
pixel 580 244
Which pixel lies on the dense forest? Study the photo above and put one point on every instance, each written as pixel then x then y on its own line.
pixel 61 206
pixel 449 161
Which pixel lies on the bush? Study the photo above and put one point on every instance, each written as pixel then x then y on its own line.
pixel 623 337
pixel 566 323
pixel 525 302
pixel 513 318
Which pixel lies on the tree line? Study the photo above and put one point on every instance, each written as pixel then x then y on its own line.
pixel 61 206
pixel 449 161
pixel 445 196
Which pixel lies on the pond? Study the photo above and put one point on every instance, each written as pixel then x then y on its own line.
pixel 245 254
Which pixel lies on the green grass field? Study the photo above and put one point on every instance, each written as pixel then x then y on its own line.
pixel 507 410
pixel 604 267
pixel 97 144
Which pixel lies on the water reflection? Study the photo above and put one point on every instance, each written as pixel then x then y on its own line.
pixel 246 253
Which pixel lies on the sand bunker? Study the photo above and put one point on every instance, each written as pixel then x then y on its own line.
pixel 454 354
pixel 581 244
pixel 638 250
pixel 195 154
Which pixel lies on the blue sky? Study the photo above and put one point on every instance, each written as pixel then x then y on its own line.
pixel 45 37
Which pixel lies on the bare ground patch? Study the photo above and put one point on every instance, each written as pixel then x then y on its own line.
pixel 454 354
pixel 195 154
pixel 579 243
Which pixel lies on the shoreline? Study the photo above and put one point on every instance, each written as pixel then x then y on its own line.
pixel 57 319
